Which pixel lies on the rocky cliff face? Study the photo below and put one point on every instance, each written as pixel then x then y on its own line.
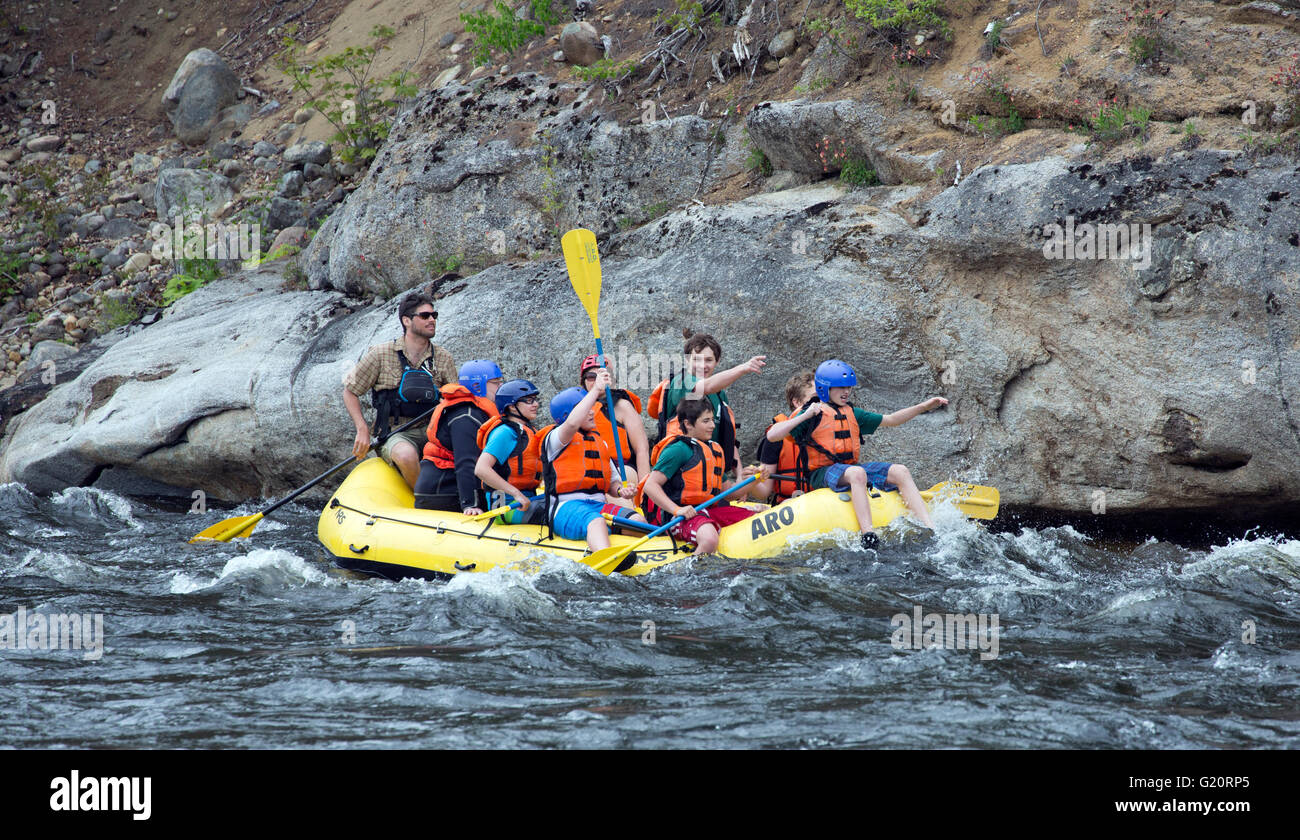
pixel 1165 387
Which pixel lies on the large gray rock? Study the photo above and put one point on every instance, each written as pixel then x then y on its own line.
pixel 202 57
pixel 281 213
pixel 194 193
pixel 312 151
pixel 215 429
pixel 545 163
pixel 119 227
pixel 209 89
pixel 581 44
pixel 815 138
pixel 782 44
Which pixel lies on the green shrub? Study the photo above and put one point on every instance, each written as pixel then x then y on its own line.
pixel 11 266
pixel 281 252
pixel 505 33
pixel 358 106
pixel 440 263
pixel 117 313
pixel 606 70
pixel 855 171
pixel 1114 122
pixel 902 15
pixel 179 286
pixel 689 15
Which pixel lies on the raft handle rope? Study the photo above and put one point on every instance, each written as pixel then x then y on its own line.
pixel 362 550
pixel 461 568
pixel 442 529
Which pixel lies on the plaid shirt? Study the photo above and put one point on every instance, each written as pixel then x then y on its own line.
pixel 380 368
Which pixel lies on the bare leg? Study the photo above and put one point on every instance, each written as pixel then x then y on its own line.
pixel 407 461
pixel 902 476
pixel 857 480
pixel 597 534
pixel 706 540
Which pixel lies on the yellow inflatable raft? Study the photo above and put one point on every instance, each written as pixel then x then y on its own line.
pixel 371 525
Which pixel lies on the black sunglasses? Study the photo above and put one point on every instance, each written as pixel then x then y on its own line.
pixel 425 315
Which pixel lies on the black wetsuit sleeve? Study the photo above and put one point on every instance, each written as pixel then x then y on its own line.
pixel 464 447
pixel 769 452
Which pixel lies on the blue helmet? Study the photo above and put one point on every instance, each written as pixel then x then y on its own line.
pixel 514 391
pixel 833 374
pixel 475 375
pixel 563 403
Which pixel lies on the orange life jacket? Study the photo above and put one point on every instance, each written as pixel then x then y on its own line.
pixel 606 429
pixel 521 467
pixel 787 464
pixel 834 440
pixel 699 479
pixel 582 466
pixel 437 449
pixel 670 427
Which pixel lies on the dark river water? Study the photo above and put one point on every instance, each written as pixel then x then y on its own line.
pixel 1098 642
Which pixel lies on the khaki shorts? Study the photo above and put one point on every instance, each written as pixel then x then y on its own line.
pixel 414 436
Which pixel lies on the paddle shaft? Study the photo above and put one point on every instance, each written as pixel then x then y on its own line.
pixel 609 401
pixel 676 519
pixel 340 465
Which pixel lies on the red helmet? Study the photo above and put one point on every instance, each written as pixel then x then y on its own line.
pixel 592 361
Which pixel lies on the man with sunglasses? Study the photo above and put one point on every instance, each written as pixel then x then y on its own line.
pixel 387 371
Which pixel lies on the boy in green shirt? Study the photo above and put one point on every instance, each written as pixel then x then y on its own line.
pixel 833 444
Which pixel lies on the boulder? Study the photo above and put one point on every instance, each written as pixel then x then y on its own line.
pixel 282 213
pixel 782 44
pixel 312 151
pixel 44 143
pixel 581 44
pixel 202 57
pixel 209 89
pixel 197 194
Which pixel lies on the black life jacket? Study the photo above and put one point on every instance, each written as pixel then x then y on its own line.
pixel 415 394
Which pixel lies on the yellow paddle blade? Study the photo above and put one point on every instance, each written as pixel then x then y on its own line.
pixel 974 500
pixel 583 261
pixel 607 560
pixel 227 529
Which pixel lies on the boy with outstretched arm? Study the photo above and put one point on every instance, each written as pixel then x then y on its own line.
pixel 687 472
pixel 833 443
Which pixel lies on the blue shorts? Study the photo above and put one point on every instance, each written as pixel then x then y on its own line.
pixel 877 474
pixel 572 517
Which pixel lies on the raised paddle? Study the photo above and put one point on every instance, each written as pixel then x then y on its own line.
pixel 498 511
pixel 607 560
pixel 242 526
pixel 583 261
pixel 974 500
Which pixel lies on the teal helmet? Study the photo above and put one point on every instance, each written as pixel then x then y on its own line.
pixel 475 375
pixel 563 403
pixel 833 374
